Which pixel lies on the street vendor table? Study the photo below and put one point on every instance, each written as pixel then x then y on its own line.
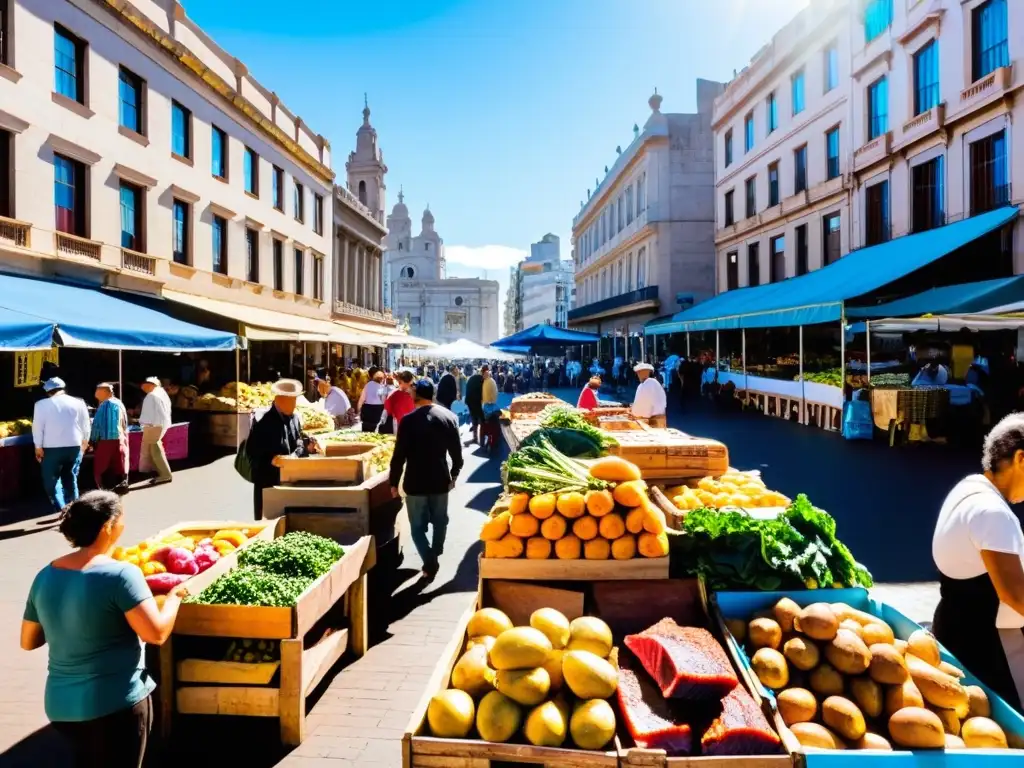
pixel 908 409
pixel 18 467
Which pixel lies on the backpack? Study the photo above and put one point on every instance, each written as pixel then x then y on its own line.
pixel 243 464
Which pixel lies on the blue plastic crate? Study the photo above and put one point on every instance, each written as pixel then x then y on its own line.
pixel 742 605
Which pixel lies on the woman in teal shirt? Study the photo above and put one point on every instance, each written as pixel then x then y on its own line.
pixel 92 611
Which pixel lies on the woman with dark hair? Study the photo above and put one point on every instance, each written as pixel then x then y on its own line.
pixel 978 547
pixel 92 611
pixel 371 401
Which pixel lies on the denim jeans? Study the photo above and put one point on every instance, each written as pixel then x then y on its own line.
pixel 423 512
pixel 60 474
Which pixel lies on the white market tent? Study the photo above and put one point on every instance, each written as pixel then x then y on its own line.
pixel 464 349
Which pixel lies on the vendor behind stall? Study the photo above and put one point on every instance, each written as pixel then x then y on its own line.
pixel 650 401
pixel 978 547
pixel 933 374
pixel 336 402
pixel 277 433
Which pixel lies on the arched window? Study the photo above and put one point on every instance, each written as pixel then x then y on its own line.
pixel 408 273
pixel 362 192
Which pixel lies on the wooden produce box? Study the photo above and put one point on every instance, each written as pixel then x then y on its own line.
pixel 525 406
pixel 352 505
pixel 420 750
pixel 332 468
pixel 228 430
pixel 573 570
pixel 247 692
pixel 667 455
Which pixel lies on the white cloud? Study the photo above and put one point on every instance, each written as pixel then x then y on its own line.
pixel 484 256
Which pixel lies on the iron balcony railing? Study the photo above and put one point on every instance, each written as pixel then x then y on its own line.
pixel 650 293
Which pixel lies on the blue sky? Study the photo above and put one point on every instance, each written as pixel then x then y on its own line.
pixel 499 114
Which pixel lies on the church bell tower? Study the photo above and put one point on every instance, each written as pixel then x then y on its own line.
pixel 366 168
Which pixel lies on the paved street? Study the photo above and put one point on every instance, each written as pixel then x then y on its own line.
pixel 884 500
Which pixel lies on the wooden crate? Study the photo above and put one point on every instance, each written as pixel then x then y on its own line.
pixel 667 454
pixel 301 667
pixel 520 406
pixel 227 430
pixel 420 750
pixel 352 468
pixel 573 570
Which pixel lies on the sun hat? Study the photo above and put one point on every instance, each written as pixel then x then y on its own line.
pixel 287 388
pixel 54 384
pixel 642 367
pixel 152 380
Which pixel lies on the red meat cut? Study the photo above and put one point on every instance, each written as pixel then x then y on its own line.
pixel 685 662
pixel 741 729
pixel 648 716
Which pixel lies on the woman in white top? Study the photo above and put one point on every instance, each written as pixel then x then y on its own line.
pixel 978 548
pixel 371 402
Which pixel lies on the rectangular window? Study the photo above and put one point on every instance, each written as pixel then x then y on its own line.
pixel 831 67
pixel 773 184
pixel 799 169
pixel 220 245
pixel 180 232
pixel 130 89
pixel 772 109
pixel 990 181
pixel 927 199
pixel 278 251
pixel 877 205
pixel 751 190
pixel 6 174
pixel 181 130
pixel 926 78
pixel 831 243
pixel 778 262
pixel 798 92
pixel 5 33
pixel 748 132
pixel 318 214
pixel 277 187
pixel 252 252
pixel 629 205
pixel 754 264
pixel 729 212
pixel 251 171
pixel 832 153
pixel 300 203
pixel 69 64
pixel 69 190
pixel 622 214
pixel 641 186
pixel 218 153
pixel 299 259
pixel 318 278
pixel 732 271
pixel 878 108
pixel 131 217
pixel 990 48
pixel 877 18
pixel 801 250
pixel 728 148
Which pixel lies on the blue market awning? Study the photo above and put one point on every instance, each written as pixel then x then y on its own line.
pixel 818 296
pixel 78 316
pixel 545 336
pixel 961 299
pixel 19 331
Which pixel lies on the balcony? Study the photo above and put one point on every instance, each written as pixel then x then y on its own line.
pixel 75 247
pixel 992 85
pixel 14 232
pixel 875 150
pixel 925 124
pixel 624 303
pixel 354 310
pixel 138 263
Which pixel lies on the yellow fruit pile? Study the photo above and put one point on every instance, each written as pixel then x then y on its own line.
pixel 314 419
pixel 842 680
pixel 733 489
pixel 549 681
pixel 15 428
pixel 618 524
pixel 224 541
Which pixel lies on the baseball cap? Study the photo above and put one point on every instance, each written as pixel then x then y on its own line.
pixel 55 383
pixel 424 389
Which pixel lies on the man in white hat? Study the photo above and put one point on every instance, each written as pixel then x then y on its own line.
pixel 155 420
pixel 650 402
pixel 60 431
pixel 278 433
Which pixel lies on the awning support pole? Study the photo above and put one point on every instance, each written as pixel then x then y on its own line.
pixel 867 340
pixel 718 354
pixel 687 344
pixel 120 376
pixel 842 352
pixel 238 415
pixel 803 396
pixel 743 351
pixel 248 365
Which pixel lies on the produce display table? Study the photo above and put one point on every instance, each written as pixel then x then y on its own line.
pixel 175 444
pixel 908 409
pixel 349 506
pixel 310 645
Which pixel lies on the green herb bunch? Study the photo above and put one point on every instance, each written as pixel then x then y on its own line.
pixel 249 585
pixel 294 554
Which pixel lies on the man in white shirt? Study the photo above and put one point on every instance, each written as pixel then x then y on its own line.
pixel 155 420
pixel 650 401
pixel 336 402
pixel 60 431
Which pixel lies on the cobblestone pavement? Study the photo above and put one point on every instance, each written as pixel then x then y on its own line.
pixel 359 717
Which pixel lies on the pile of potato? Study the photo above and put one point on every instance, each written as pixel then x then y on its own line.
pixel 842 680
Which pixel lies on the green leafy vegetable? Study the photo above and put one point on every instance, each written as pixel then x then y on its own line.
pixel 563 417
pixel 542 468
pixel 250 585
pixel 571 442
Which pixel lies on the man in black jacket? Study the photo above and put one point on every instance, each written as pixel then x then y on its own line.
pixel 448 388
pixel 426 438
pixel 277 433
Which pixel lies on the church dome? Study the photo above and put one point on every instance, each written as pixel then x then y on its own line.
pixel 428 217
pixel 400 210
